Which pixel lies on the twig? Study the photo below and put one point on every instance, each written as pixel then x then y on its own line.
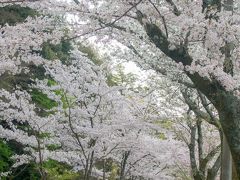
pixel 161 16
pixel 107 24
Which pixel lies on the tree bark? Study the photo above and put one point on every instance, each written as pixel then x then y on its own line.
pixel 226 158
pixel 195 171
pixel 212 173
pixel 234 172
pixel 123 165
pixel 202 164
pixel 227 104
pixel 231 130
pixel 227 170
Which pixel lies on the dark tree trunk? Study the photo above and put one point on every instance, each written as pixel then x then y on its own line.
pixel 123 165
pixel 226 167
pixel 227 104
pixel 231 127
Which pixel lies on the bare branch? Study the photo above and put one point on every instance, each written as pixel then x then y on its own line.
pixel 161 16
pixel 175 9
pixel 108 24
pixel 212 153
pixel 212 173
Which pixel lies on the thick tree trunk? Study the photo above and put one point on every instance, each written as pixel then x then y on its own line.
pixel 227 164
pixel 226 168
pixel 230 120
pixel 234 172
pixel 227 104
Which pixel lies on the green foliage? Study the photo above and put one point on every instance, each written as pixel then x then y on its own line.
pixel 61 93
pixel 43 135
pixel 59 171
pixel 26 172
pixel 119 77
pixel 63 99
pixel 111 80
pixel 47 52
pixel 160 135
pixel 51 82
pixel 42 100
pixel 12 14
pixel 9 81
pixel 114 172
pixel 16 14
pixel 110 167
pixel 36 72
pixel 5 154
pixel 53 147
pixel 58 51
pixel 108 164
pixel 91 54
pixel 167 124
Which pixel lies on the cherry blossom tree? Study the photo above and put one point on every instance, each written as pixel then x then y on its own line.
pixel 85 123
pixel 196 40
pixel 193 34
pixel 197 125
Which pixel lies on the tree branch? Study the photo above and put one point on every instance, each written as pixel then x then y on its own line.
pixel 110 24
pixel 180 55
pixel 212 173
pixel 212 153
pixel 175 9
pixel 161 16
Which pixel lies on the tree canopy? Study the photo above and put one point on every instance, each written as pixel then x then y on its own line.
pixel 67 111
